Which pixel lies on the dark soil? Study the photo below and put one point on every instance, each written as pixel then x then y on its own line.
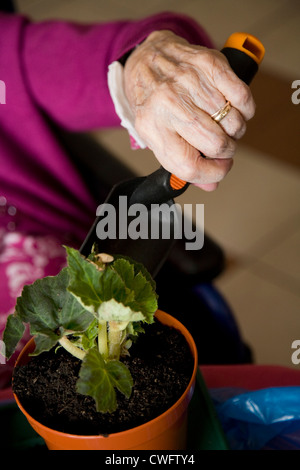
pixel 161 366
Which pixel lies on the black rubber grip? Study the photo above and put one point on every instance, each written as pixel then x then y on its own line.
pixel 241 63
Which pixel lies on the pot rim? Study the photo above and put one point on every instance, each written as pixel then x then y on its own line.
pixel 160 315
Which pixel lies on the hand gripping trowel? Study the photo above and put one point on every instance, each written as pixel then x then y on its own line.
pixel 148 201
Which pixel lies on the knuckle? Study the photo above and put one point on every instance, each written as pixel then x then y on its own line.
pixel 212 57
pixel 244 94
pixel 241 130
pixel 163 90
pixel 221 145
pixel 188 164
pixel 188 173
pixel 218 66
pixel 246 100
pixel 237 128
pixel 206 56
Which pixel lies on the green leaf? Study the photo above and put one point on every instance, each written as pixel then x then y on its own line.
pixel 139 268
pixel 134 329
pixel 87 339
pixel 99 379
pixel 120 377
pixel 139 281
pixel 84 280
pixel 90 286
pixel 123 285
pixel 13 332
pixel 44 343
pixel 49 309
pixel 47 305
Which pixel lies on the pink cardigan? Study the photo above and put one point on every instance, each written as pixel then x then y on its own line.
pixel 58 70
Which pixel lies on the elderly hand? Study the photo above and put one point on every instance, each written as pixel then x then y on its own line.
pixel 173 88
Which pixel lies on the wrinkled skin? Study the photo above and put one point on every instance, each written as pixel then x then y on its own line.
pixel 173 88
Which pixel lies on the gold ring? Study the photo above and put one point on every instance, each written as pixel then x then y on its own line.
pixel 221 113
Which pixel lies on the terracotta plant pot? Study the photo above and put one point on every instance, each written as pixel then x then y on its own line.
pixel 166 432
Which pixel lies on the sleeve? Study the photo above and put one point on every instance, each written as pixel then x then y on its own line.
pixel 65 64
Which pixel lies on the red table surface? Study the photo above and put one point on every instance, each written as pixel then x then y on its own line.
pixel 250 377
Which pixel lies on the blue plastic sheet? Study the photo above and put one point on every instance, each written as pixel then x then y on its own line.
pixel 262 419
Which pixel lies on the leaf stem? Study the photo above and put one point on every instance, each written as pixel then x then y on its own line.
pixel 102 339
pixel 114 341
pixel 71 348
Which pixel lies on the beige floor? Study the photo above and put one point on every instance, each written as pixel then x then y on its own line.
pixel 255 213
